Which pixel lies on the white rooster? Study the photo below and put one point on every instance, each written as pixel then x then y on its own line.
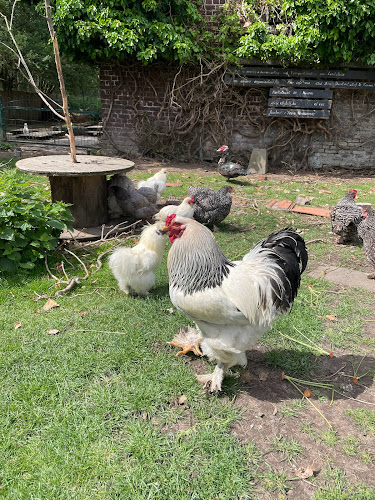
pixel 231 303
pixel 134 267
pixel 157 182
pixel 185 208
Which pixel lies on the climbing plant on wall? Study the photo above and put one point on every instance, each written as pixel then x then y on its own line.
pixel 313 32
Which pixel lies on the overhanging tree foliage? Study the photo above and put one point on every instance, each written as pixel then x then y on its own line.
pixel 121 29
pixel 313 32
pixel 326 32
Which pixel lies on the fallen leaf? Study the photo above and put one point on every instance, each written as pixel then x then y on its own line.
pixel 17 325
pixel 173 184
pixel 307 393
pixel 182 399
pixel 53 331
pixel 50 304
pixel 83 314
pixel 305 472
pixel 144 416
pixel 170 310
pixel 263 375
pixel 246 377
pixel 331 317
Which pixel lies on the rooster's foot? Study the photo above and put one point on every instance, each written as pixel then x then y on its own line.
pixel 189 340
pixel 371 276
pixel 212 381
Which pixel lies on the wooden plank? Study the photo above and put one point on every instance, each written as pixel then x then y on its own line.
pixel 279 102
pixel 321 212
pixel 292 82
pixel 281 205
pixel 299 113
pixel 269 71
pixel 304 93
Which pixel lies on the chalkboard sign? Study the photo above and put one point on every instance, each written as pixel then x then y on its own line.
pixel 304 93
pixel 280 102
pixel 299 113
pixel 292 82
pixel 271 71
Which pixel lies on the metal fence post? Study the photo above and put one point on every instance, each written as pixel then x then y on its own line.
pixel 3 135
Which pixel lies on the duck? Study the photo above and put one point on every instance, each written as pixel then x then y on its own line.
pixel 227 168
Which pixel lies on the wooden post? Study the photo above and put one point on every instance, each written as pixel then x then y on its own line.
pixel 61 81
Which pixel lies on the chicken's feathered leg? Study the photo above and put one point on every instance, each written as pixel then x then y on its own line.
pixel 212 381
pixel 188 339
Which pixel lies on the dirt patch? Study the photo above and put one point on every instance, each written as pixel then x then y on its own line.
pixel 270 416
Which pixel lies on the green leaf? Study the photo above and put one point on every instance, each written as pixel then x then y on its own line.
pixel 27 265
pixel 7 234
pixel 56 223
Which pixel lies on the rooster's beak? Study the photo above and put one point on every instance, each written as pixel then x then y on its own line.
pixel 164 230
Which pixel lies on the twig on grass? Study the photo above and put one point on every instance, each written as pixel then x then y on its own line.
pixel 81 262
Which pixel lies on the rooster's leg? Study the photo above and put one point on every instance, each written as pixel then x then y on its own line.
pixel 188 339
pixel 212 381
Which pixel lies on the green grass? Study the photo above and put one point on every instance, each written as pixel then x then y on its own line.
pixel 93 411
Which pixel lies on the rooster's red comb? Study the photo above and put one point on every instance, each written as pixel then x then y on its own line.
pixel 353 191
pixel 169 219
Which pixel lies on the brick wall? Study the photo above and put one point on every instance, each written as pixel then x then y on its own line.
pixel 139 101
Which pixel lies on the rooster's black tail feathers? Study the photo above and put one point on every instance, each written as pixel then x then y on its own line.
pixel 289 251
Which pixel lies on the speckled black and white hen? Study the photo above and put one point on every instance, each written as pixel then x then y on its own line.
pixel 345 217
pixel 366 231
pixel 211 207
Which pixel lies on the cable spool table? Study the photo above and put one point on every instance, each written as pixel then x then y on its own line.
pixel 82 184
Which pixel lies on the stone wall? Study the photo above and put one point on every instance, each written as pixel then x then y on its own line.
pixel 139 119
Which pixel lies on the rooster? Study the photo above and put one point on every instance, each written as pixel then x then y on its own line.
pixel 231 303
pixel 185 208
pixel 345 217
pixel 366 231
pixel 134 267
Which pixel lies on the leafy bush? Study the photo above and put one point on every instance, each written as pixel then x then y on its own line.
pixel 29 224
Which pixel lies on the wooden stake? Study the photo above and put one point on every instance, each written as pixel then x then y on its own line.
pixel 61 81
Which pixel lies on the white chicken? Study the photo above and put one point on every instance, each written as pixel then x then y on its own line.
pixel 157 182
pixel 185 208
pixel 231 303
pixel 134 267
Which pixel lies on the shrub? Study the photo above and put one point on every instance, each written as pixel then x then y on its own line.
pixel 30 225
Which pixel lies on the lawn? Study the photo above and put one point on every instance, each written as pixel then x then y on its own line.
pixel 94 404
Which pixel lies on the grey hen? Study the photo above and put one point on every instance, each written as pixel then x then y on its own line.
pixel 211 207
pixel 345 217
pixel 125 199
pixel 366 231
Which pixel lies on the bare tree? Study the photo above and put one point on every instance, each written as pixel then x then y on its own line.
pixel 28 75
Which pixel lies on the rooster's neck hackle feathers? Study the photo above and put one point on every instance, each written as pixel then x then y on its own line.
pixel 195 261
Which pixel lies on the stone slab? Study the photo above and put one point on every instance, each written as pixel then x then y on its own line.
pixel 258 162
pixel 343 276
